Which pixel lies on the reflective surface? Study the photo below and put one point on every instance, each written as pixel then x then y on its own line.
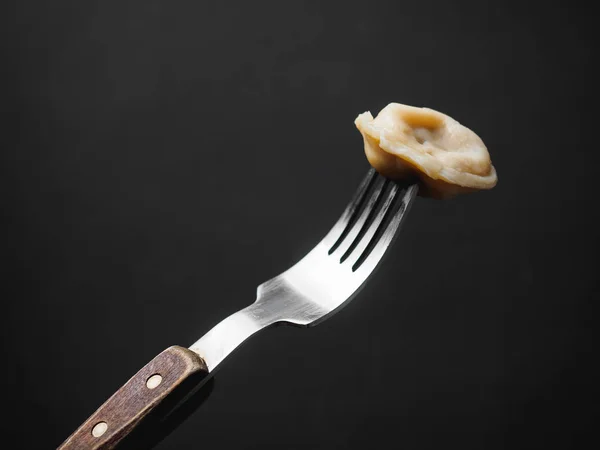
pixel 327 277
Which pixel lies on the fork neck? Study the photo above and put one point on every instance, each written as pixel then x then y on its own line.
pixel 228 334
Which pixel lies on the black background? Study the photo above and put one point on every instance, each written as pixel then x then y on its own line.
pixel 161 159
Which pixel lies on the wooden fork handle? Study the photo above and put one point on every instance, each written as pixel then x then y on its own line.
pixel 122 412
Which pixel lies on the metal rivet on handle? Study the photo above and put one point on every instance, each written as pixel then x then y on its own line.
pixel 153 381
pixel 99 429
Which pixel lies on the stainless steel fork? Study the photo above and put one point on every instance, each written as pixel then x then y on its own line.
pixel 327 277
pixel 309 292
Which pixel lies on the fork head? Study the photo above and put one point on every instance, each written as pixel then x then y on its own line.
pixel 336 268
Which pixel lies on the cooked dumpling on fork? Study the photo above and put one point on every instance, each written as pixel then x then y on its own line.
pixel 405 141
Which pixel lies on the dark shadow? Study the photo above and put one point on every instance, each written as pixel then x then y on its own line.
pixel 169 415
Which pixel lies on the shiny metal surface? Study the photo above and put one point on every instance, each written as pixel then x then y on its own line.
pixel 327 277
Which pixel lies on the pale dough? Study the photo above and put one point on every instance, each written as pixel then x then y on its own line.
pixel 405 141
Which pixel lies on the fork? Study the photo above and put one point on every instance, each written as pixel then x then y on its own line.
pixel 313 289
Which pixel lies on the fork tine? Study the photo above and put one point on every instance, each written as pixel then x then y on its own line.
pixel 333 238
pixel 354 253
pixel 374 251
pixel 355 229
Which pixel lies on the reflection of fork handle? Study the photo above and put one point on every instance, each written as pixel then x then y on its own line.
pixel 122 412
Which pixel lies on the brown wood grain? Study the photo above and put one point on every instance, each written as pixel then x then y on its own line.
pixel 130 404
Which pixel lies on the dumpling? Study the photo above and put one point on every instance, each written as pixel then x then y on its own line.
pixel 405 141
